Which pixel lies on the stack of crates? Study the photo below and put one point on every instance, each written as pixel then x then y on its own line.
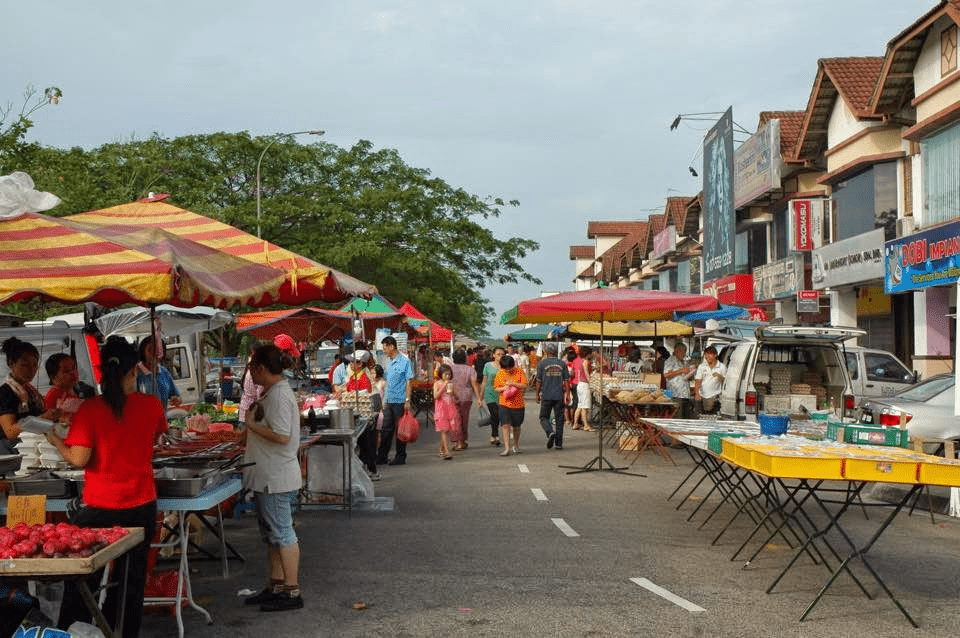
pixel 868 434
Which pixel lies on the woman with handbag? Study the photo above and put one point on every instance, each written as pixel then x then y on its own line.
pixel 490 396
pixel 511 383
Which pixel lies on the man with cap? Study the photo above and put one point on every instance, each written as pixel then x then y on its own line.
pixel 552 384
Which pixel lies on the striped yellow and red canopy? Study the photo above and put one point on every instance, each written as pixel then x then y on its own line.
pixel 306 280
pixel 51 258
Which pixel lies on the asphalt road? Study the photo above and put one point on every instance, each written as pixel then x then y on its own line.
pixel 485 545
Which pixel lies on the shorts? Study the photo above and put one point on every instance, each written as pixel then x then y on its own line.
pixel 583 396
pixel 275 518
pixel 511 417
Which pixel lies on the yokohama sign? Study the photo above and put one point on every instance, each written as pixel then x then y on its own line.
pixel 802 224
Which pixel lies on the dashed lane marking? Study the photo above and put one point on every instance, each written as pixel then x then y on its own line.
pixel 538 494
pixel 564 527
pixel 668 595
pixel 523 468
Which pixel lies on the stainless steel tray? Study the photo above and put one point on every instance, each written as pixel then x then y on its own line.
pixel 175 482
pixel 9 463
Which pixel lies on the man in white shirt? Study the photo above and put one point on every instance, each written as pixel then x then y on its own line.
pixel 708 381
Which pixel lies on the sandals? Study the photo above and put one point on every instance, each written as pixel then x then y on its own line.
pixel 494 441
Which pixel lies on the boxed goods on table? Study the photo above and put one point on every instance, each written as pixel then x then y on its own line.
pixel 715 440
pixel 868 434
pixel 803 402
pixel 775 404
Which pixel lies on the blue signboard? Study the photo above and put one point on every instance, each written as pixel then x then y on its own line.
pixel 719 216
pixel 930 258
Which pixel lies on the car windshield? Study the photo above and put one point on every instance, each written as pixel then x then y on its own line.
pixel 926 390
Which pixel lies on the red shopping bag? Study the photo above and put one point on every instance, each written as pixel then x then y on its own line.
pixel 408 429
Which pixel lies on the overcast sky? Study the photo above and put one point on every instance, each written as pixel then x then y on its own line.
pixel 562 105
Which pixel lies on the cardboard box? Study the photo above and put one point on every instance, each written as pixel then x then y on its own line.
pixel 652 379
pixel 809 401
pixel 776 403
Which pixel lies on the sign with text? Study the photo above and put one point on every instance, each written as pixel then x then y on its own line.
pixel 929 258
pixel 778 279
pixel 719 219
pixel 803 223
pixel 808 301
pixel 757 164
pixel 31 509
pixel 849 261
pixel 664 242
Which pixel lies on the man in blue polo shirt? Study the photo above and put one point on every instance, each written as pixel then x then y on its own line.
pixel 398 375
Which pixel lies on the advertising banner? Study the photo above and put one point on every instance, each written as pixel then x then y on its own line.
pixel 929 258
pixel 802 224
pixel 758 164
pixel 664 242
pixel 849 261
pixel 719 216
pixel 778 279
pixel 808 301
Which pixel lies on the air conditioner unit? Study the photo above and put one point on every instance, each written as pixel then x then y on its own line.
pixel 905 226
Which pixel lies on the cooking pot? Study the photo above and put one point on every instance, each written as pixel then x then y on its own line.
pixel 341 418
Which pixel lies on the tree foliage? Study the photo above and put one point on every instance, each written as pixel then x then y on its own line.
pixel 361 210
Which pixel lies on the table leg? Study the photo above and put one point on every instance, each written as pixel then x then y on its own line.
pixel 98 618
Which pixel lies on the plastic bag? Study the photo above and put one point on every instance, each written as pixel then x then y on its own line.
pixel 483 415
pixel 408 429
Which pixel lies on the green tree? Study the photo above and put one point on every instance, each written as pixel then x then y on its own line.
pixel 14 124
pixel 361 210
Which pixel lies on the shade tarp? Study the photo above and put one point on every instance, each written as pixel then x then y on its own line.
pixel 540 332
pixel 628 329
pixel 308 325
pixel 306 280
pixel 606 304
pixel 56 259
pixel 174 322
pixel 376 303
pixel 424 325
pixel 724 312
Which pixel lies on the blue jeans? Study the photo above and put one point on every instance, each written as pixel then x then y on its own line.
pixel 546 407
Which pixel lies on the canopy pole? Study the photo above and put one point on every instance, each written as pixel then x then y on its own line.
pixel 599 463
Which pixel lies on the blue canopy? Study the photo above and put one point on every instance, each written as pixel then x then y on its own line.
pixel 725 312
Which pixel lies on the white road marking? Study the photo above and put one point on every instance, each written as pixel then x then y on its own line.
pixel 523 468
pixel 538 494
pixel 564 527
pixel 663 593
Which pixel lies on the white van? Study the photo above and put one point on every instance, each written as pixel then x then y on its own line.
pixel 766 371
pixel 877 373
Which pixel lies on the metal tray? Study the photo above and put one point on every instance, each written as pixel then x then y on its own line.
pixel 46 483
pixel 9 463
pixel 174 482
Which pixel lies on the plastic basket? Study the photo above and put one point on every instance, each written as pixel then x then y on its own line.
pixel 773 424
pixel 715 440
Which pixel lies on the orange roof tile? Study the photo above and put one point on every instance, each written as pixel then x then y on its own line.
pixel 582 252
pixel 623 249
pixel 676 210
pixel 610 228
pixel 855 79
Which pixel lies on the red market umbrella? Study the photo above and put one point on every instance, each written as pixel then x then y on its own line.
pixel 306 280
pixel 605 305
pixel 426 326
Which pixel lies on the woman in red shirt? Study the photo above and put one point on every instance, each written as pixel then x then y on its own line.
pixel 111 437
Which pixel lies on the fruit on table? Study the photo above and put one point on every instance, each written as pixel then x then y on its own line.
pixel 62 540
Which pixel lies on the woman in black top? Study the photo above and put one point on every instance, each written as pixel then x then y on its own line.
pixel 18 396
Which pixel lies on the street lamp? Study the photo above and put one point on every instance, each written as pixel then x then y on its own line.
pixel 275 137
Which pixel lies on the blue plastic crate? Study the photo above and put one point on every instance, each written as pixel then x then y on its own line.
pixel 773 424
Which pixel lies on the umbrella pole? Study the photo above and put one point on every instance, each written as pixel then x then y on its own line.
pixel 597 463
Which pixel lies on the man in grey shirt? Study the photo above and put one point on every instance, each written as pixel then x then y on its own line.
pixel 677 373
pixel 552 384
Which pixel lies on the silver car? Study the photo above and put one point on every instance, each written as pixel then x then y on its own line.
pixel 927 407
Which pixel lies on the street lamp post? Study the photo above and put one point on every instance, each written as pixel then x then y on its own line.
pixel 275 137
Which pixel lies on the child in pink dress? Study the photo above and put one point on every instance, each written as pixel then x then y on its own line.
pixel 446 417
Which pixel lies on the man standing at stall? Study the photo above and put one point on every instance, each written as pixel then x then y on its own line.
pixel 678 373
pixel 399 376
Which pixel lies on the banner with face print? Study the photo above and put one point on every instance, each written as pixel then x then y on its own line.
pixel 719 216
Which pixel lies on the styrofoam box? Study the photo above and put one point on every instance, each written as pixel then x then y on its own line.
pixel 809 401
pixel 774 404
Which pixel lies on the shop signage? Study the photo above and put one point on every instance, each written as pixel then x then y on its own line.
pixel 735 290
pixel 664 242
pixel 808 301
pixel 757 164
pixel 719 218
pixel 929 258
pixel 850 261
pixel 778 279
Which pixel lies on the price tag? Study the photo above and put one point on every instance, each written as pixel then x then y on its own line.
pixel 31 510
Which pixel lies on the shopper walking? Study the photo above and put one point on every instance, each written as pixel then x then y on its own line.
pixel 466 390
pixel 446 417
pixel 399 377
pixel 552 384
pixel 511 383
pixel 490 396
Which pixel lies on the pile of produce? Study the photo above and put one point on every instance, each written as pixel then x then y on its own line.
pixel 55 541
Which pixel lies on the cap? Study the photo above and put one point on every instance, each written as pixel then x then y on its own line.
pixel 361 356
pixel 286 343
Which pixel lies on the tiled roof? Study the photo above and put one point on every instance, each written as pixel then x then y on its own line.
pixel 855 79
pixel 607 229
pixel 586 272
pixel 851 78
pixel 676 211
pixel 895 87
pixel 620 255
pixel 581 252
pixel 790 124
